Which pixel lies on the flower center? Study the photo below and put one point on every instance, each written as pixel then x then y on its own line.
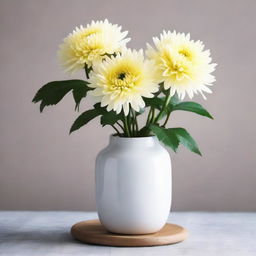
pixel 121 76
pixel 122 82
pixel 89 47
pixel 174 66
pixel 185 53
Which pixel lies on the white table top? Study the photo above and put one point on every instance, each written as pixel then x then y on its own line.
pixel 47 233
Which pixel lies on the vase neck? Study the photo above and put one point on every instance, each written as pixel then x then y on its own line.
pixel 133 141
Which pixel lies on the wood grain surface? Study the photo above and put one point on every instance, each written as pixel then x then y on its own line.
pixel 93 232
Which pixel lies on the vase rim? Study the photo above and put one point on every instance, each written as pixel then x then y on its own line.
pixel 133 141
pixel 136 138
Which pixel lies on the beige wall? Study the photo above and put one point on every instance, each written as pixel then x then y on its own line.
pixel 42 167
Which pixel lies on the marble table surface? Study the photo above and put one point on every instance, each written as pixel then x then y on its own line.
pixel 47 233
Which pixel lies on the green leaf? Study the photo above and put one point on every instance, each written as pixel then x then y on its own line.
pixel 141 111
pixel 143 131
pixel 109 118
pixel 98 106
pixel 83 119
pixel 158 103
pixel 53 92
pixel 191 107
pixel 154 102
pixel 174 99
pixel 172 137
pixel 79 93
pixel 167 136
pixel 101 110
pixel 185 138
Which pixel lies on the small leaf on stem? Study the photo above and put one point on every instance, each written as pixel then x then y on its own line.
pixel 83 119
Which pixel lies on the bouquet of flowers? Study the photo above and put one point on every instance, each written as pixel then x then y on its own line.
pixel 126 83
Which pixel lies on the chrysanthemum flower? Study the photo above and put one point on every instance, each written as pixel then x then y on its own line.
pixel 122 81
pixel 88 44
pixel 182 64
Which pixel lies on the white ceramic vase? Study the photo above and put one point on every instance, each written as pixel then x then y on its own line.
pixel 133 185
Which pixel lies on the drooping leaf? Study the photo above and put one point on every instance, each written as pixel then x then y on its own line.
pixel 192 107
pixel 109 118
pixel 83 119
pixel 53 92
pixel 185 138
pixel 166 136
pixel 79 93
pixel 172 137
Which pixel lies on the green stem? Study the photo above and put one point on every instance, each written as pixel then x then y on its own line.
pixel 153 116
pixel 149 115
pixel 166 102
pixel 119 134
pixel 87 70
pixel 135 123
pixel 131 123
pixel 129 119
pixel 126 126
pixel 166 120
pixel 120 126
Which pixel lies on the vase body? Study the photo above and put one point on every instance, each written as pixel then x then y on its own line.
pixel 133 185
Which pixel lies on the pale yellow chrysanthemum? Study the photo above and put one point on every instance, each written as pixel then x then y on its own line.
pixel 88 44
pixel 120 82
pixel 182 64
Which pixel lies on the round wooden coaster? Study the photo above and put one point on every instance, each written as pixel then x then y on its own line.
pixel 93 232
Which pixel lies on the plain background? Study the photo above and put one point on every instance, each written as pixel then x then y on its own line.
pixel 43 168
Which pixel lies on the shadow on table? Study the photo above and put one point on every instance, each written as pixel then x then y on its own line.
pixel 37 236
